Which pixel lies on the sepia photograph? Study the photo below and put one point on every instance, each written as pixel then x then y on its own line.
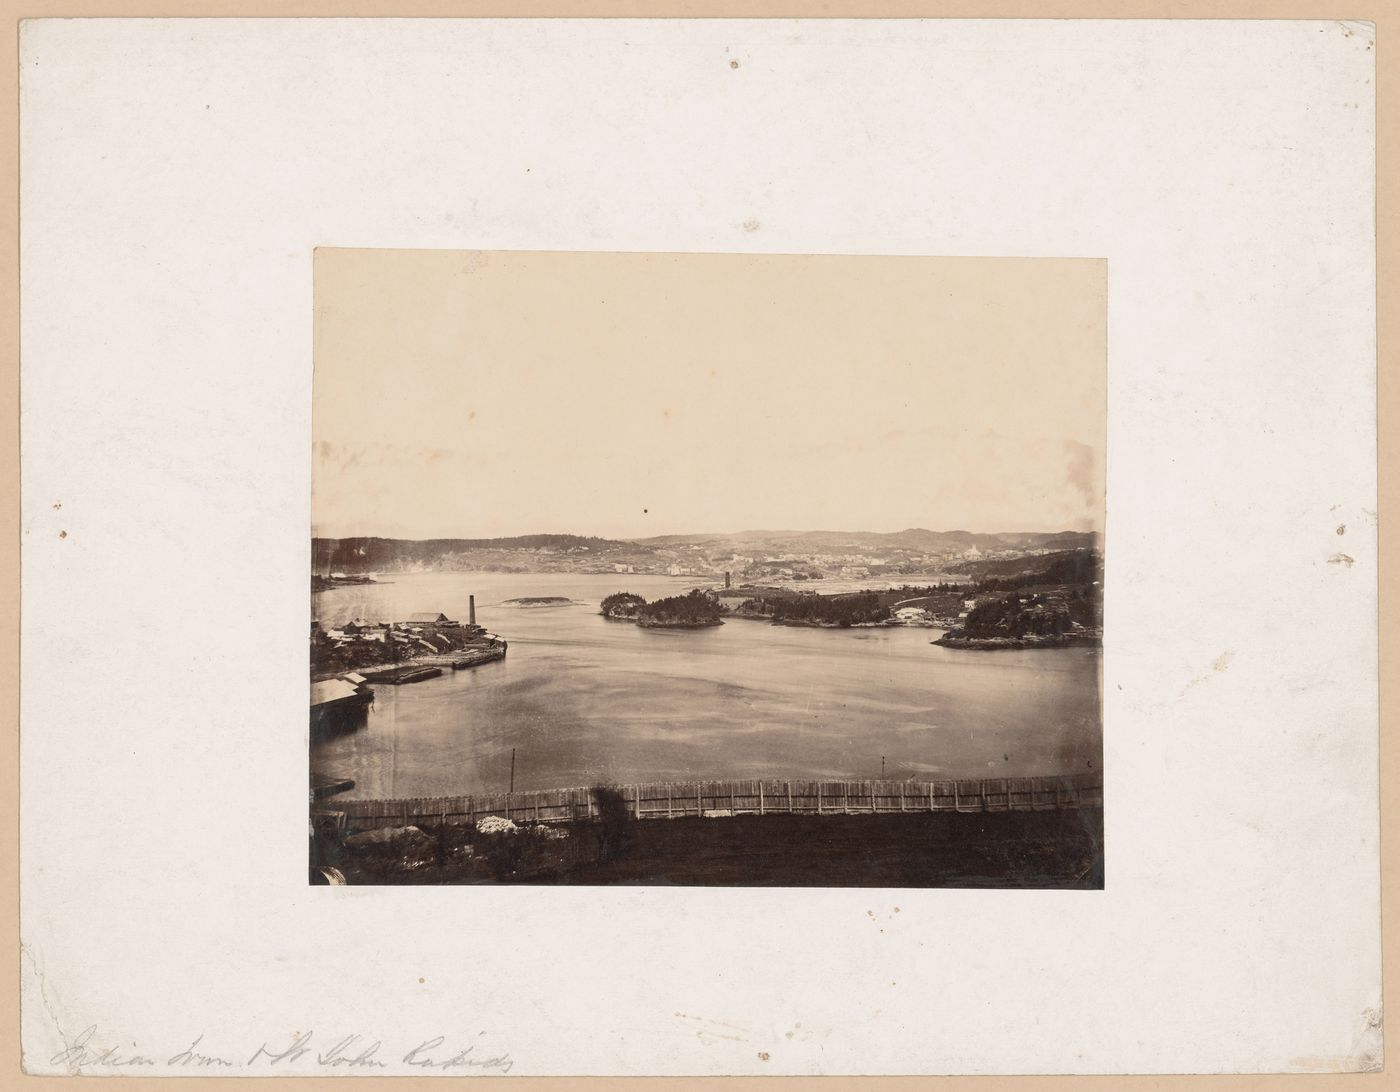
pixel 707 569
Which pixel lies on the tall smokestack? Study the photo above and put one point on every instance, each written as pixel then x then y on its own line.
pixel 471 610
pixel 726 578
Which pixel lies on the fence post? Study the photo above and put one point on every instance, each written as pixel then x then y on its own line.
pixel 760 798
pixel 957 804
pixel 668 800
pixel 789 796
pixel 637 801
pixel 819 797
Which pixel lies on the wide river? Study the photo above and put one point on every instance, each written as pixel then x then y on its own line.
pixel 583 700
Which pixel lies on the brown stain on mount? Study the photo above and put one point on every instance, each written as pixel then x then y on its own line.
pixel 1217 666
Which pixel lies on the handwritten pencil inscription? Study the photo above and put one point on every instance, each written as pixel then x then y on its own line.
pixel 304 1050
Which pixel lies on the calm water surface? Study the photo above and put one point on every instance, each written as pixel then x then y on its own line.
pixel 584 700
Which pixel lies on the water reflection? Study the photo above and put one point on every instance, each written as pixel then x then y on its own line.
pixel 583 700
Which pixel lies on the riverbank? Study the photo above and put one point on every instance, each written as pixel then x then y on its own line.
pixel 1037 849
pixel 422 667
pixel 326 583
pixel 987 644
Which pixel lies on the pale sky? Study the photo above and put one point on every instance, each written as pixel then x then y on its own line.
pixel 474 395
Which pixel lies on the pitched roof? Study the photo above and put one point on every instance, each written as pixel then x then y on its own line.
pixel 323 693
pixel 428 616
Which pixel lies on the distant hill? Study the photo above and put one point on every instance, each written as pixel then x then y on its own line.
pixel 683 553
pixel 352 555
pixel 912 538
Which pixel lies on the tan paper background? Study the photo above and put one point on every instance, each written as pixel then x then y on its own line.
pixel 1387 232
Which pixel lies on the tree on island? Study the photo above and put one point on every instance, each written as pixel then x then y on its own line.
pixel 1017 616
pixel 821 610
pixel 698 608
pixel 622 605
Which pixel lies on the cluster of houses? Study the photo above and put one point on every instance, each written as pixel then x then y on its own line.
pixel 340 704
pixel 420 634
pixel 425 633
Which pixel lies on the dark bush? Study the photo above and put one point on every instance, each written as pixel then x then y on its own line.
pixel 502 852
pixel 613 826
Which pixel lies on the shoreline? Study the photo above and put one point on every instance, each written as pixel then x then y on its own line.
pixel 992 644
pixel 326 583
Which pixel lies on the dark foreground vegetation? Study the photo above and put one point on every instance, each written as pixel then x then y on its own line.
pixel 1046 849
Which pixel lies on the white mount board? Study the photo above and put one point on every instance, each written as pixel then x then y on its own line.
pixel 176 176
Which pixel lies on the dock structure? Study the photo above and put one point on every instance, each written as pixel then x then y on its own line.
pixel 409 673
pixel 719 799
pixel 422 646
pixel 339 705
pixel 325 784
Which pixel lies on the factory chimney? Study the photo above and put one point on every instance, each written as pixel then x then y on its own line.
pixel 471 610
pixel 726 578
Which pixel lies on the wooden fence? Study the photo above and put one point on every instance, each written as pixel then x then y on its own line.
pixel 675 800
